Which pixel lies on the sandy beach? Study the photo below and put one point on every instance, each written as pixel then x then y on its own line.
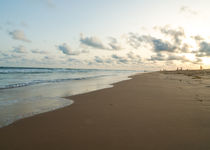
pixel 152 111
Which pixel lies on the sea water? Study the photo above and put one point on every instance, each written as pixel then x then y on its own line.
pixel 25 92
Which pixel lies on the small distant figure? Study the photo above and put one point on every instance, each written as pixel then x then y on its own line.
pixel 201 68
pixel 177 69
pixel 181 68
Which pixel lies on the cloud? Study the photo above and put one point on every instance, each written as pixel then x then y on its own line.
pixel 157 57
pixel 85 51
pixel 135 40
pixel 95 42
pixel 179 58
pixel 19 35
pixel 23 24
pixel 98 59
pixel 198 61
pixel 185 48
pixel 197 38
pixel 20 49
pixel 157 44
pixel 102 60
pixel 120 59
pixel 114 59
pixel 92 42
pixel 160 45
pixel 114 44
pixel 172 42
pixel 175 34
pixel 129 58
pixel 47 58
pixel 75 61
pixel 133 56
pixel 65 49
pixel 10 23
pixel 36 51
pixel 204 49
pixel 169 57
pixel 6 57
pixel 50 3
pixel 188 10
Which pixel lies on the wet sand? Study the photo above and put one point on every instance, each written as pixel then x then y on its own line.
pixel 152 111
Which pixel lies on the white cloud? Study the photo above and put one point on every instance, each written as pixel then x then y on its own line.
pixel 188 10
pixel 95 42
pixel 36 51
pixel 66 49
pixel 19 35
pixel 20 49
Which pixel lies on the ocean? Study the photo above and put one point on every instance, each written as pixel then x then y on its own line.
pixel 26 92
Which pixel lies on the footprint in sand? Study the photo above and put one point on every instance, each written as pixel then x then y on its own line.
pixel 198 98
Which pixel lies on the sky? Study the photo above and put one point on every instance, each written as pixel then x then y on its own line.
pixel 113 34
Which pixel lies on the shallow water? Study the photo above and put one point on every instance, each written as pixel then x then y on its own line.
pixel 24 101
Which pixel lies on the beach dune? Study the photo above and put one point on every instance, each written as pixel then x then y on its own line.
pixel 152 111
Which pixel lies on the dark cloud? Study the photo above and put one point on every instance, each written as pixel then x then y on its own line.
pixel 65 49
pixel 160 45
pixel 204 49
pixel 19 35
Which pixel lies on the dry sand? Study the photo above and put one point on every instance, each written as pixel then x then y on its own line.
pixel 153 111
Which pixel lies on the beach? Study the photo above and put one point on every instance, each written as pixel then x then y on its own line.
pixel 152 111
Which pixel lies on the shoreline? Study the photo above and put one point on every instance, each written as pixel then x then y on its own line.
pixel 34 101
pixel 150 111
